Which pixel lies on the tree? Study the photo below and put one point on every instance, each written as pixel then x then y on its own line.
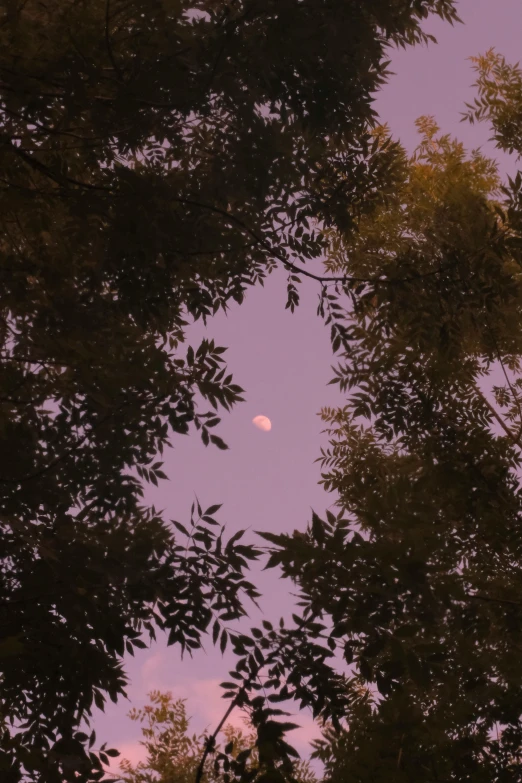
pixel 173 755
pixel 419 578
pixel 499 99
pixel 157 158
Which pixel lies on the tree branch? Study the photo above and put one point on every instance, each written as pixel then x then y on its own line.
pixel 46 171
pixel 489 599
pixel 513 437
pixel 508 381
pixel 231 218
pixel 211 741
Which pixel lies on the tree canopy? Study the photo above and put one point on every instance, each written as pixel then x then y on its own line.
pixel 174 755
pixel 419 582
pixel 157 158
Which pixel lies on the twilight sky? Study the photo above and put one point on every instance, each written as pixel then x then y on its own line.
pixel 268 480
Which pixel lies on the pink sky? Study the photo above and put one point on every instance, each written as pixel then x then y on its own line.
pixel 268 480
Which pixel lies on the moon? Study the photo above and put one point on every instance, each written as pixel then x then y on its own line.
pixel 262 423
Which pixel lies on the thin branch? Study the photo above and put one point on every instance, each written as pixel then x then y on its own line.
pixel 25 75
pixel 298 270
pixel 34 191
pixel 514 438
pixel 211 741
pixel 508 380
pixel 46 129
pixel 17 401
pixel 216 251
pixel 210 744
pixel 46 171
pixel 489 599
pixel 30 360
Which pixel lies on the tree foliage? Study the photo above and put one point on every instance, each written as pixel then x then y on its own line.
pixel 173 755
pixel 419 579
pixel 498 100
pixel 80 597
pixel 157 158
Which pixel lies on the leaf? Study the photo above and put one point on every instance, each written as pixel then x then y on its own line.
pixel 209 520
pixel 272 537
pixel 223 641
pixel 181 528
pixel 217 441
pixel 230 544
pixel 215 632
pixel 318 529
